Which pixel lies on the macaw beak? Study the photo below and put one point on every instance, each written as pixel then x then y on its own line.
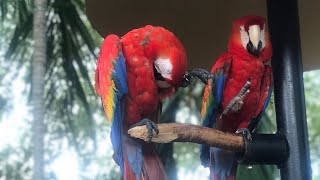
pixel 254 46
pixel 160 80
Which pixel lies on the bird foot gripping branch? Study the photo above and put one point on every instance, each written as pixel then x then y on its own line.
pixel 150 126
pixel 245 132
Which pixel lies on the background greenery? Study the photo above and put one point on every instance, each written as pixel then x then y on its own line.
pixel 73 117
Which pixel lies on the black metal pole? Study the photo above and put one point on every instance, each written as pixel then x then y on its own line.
pixel 288 87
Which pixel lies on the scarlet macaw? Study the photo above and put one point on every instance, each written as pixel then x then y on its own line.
pixel 236 98
pixel 134 74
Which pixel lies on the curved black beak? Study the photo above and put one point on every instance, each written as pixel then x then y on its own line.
pixel 157 75
pixel 255 51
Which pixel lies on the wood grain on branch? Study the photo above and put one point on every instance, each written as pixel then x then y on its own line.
pixel 177 132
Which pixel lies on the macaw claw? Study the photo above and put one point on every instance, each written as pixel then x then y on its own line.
pixel 150 126
pixel 202 74
pixel 186 80
pixel 245 132
pixel 236 103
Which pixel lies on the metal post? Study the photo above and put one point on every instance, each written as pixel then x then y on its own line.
pixel 288 87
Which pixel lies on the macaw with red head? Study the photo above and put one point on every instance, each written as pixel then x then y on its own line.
pixel 238 95
pixel 134 74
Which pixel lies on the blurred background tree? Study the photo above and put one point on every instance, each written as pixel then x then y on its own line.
pixel 77 136
pixel 71 48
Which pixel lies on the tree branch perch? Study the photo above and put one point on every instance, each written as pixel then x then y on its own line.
pixel 177 132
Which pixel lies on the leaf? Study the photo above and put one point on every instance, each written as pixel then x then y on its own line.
pixel 20 33
pixel 4 9
pixel 77 25
pixel 72 76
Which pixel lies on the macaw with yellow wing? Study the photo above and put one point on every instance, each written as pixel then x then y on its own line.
pixel 238 95
pixel 134 74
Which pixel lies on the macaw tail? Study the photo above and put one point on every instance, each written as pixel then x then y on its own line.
pixel 222 164
pixel 137 160
pixel 141 162
pixel 132 159
pixel 152 165
pixel 127 151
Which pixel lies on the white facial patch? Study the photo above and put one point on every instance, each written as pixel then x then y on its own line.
pixel 255 35
pixel 244 37
pixel 164 67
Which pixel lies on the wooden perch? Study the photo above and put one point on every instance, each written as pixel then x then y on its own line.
pixel 177 132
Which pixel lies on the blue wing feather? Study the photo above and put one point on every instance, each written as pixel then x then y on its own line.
pixel 267 100
pixel 111 85
pixel 134 156
pixel 133 149
pixel 213 101
pixel 116 135
pixel 119 77
pixel 219 89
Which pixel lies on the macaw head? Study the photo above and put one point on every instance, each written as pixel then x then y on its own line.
pixel 250 34
pixel 170 60
pixel 169 69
